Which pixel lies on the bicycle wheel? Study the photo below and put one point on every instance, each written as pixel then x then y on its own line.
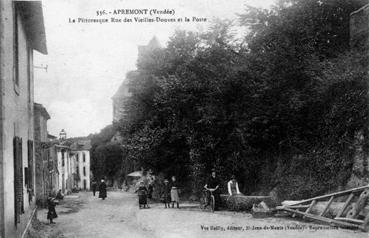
pixel 212 201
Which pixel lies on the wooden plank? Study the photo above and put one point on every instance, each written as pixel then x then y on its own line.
pixel 299 206
pixel 336 194
pixel 327 206
pixel 364 227
pixel 324 219
pixel 345 205
pixel 350 220
pixel 312 204
pixel 359 205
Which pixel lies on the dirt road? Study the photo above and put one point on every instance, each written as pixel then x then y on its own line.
pixel 82 215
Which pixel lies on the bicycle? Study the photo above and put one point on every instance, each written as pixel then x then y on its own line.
pixel 204 200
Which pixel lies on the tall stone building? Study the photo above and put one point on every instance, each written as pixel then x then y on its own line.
pixel 122 94
pixel 119 99
pixel 21 32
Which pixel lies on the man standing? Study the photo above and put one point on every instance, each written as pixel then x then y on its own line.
pixel 213 183
pixel 94 186
pixel 102 190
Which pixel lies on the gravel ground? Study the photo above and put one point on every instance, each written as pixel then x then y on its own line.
pixel 83 215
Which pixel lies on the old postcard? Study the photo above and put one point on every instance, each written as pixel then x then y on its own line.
pixel 178 118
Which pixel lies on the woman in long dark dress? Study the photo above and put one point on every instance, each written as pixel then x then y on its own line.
pixel 102 190
pixel 51 214
pixel 142 195
pixel 166 193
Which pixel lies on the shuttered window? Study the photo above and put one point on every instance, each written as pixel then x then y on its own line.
pixel 29 175
pixel 18 179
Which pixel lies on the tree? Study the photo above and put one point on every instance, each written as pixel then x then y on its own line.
pixel 283 104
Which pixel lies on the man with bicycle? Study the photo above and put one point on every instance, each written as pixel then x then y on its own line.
pixel 213 184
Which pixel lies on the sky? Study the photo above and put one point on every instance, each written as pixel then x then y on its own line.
pixel 87 62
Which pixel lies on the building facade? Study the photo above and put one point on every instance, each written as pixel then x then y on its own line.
pixel 64 166
pixel 21 32
pixel 123 94
pixel 81 164
pixel 42 159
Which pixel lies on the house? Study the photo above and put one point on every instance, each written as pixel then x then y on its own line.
pixel 64 166
pixel 69 165
pixel 62 154
pixel 81 164
pixel 22 31
pixel 42 160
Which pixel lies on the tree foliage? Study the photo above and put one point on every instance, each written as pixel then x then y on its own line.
pixel 106 157
pixel 279 107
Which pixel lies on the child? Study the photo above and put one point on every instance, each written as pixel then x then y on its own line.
pixel 142 196
pixel 166 193
pixel 51 214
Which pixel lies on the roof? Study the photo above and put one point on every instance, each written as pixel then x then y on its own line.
pixel 153 44
pixel 122 91
pixel 33 20
pixel 51 137
pixel 81 145
pixel 42 110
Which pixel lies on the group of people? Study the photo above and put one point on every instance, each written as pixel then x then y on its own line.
pixel 169 193
pixel 102 189
pixel 213 185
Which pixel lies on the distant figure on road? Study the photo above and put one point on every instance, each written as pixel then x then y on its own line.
pixel 166 193
pixel 150 190
pixel 174 192
pixel 102 190
pixel 233 186
pixel 59 195
pixel 142 195
pixel 94 187
pixel 51 214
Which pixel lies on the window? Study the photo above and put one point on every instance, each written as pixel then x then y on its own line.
pixel 29 173
pixel 77 170
pixel 29 73
pixel 84 171
pixel 84 157
pixel 30 163
pixel 62 154
pixel 18 179
pixel 77 157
